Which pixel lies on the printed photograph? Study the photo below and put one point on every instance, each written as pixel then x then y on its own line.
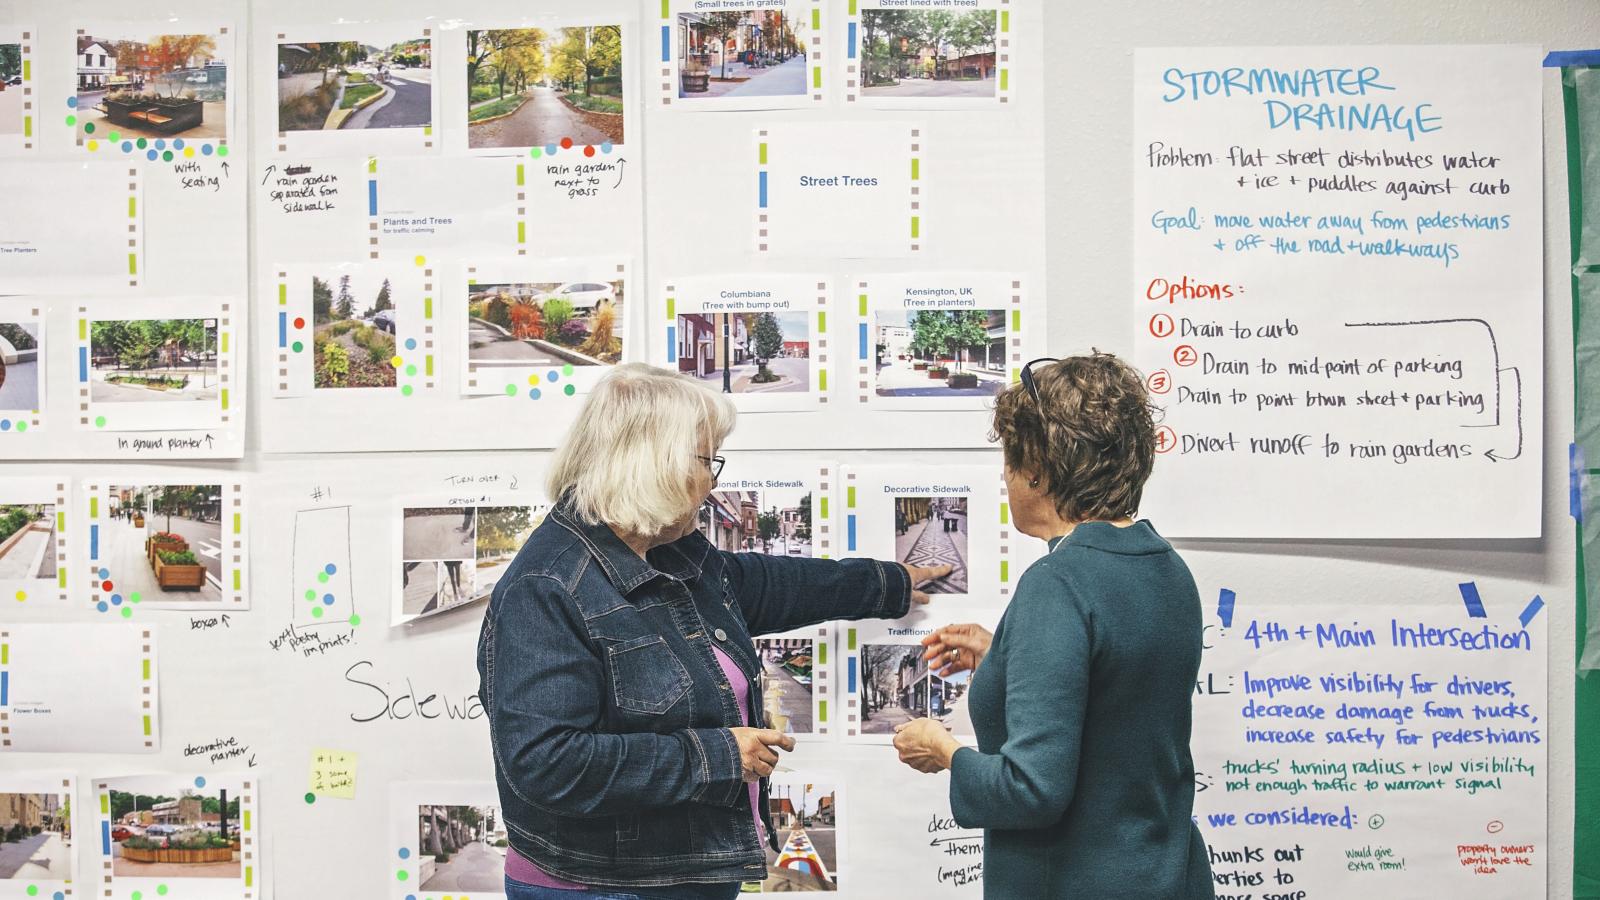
pixel 152 86
pixel 27 545
pixel 746 353
pixel 928 53
pixel 461 848
pixel 35 837
pixel 941 352
pixel 187 833
pixel 19 365
pixel 898 687
pixel 353 335
pixel 742 53
pixel 10 88
pixel 453 555
pixel 163 542
pixel 775 521
pixel 932 531
pixel 385 81
pixel 153 361
pixel 786 683
pixel 537 324
pixel 805 819
pixel 531 87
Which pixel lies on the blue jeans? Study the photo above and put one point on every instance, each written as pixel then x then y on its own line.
pixel 516 890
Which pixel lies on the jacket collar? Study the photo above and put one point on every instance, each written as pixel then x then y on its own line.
pixel 681 560
pixel 1138 539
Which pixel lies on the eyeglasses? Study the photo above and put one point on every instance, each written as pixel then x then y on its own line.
pixel 715 464
pixel 1027 376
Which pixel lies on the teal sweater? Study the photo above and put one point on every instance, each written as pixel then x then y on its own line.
pixel 1082 780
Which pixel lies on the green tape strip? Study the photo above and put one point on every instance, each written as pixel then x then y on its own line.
pixel 224 397
pixel 1005 571
pixel 822 710
pixel 916 226
pixel 61 577
pixel 822 380
pixel 146 664
pixel 105 804
pixel 816 19
pixel 1005 513
pixel 520 174
pixel 249 874
pixel 666 9
pixel 672 309
pixel 850 638
pixel 133 206
pixel 146 726
pixel 283 294
pixel 861 301
pixel 27 70
pixel 1005 20
pixel 427 365
pixel 133 263
pixel 427 307
pixel 850 498
pixel 61 520
pixel 238 580
pixel 238 523
pixel 1005 80
pixel 94 507
pixel 824 509
pixel 27 126
pixel 816 77
pixel 522 232
pixel 822 653
pixel 372 165
pixel 5 654
pixel 763 153
pixel 822 320
pixel 83 329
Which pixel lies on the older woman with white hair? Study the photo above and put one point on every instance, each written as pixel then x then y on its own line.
pixel 618 666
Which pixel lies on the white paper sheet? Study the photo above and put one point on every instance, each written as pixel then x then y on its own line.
pixel 110 705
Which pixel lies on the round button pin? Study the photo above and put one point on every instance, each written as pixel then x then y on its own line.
pixel 720 635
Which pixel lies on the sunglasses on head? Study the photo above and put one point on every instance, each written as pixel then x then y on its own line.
pixel 1027 376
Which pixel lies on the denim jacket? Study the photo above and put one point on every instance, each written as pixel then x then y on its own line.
pixel 609 713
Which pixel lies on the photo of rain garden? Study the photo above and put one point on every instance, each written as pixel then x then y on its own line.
pixel 528 87
pixel 545 323
pixel 153 360
pixel 354 332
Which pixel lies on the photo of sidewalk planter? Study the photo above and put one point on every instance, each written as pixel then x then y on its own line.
pixel 940 352
pixel 545 323
pixel 186 833
pixel 153 360
pixel 386 82
pixel 165 85
pixel 176 562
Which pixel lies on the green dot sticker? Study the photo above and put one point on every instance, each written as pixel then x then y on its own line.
pixel 298 346
pixel 411 370
pixel 405 390
pixel 166 156
pixel 22 426
pixel 322 577
pixel 33 890
pixel 402 875
pixel 311 594
pixel 222 150
pixel 316 612
pixel 138 895
pixel 99 421
pixel 161 889
pixel 511 390
pixel 72 120
pixel 310 797
pixel 113 136
pixel 535 152
pixel 127 612
pixel 141 143
pixel 88 128
pixel 354 620
pixel 569 390
pixel 566 369
pixel 134 597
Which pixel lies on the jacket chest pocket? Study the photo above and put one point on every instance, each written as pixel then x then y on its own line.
pixel 646 676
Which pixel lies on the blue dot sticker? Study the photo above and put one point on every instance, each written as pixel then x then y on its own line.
pixel 550 149
pixel 177 143
pixel 330 568
pixel 5 424
pixel 327 599
pixel 552 376
pixel 405 852
pixel 102 606
pixel 205 149
pixel 200 782
pixel 104 573
pixel 127 146
pixel 533 394
pixel 151 155
pixel 606 147
pixel 116 599
pixel 161 143
pixel 411 343
pixel 72 102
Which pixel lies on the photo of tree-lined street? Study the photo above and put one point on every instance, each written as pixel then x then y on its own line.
pixel 353 335
pixel 928 53
pixel 897 687
pixel 531 87
pixel 742 53
pixel 746 353
pixel 151 86
pixel 153 360
pixel 461 848
pixel 550 323
pixel 384 81
pixel 941 352
pixel 163 542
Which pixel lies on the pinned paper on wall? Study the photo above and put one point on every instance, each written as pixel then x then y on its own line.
pixel 1338 258
pixel 943 55
pixel 352 89
pixel 101 244
pixel 844 189
pixel 41 860
pixel 111 705
pixel 756 54
pixel 333 773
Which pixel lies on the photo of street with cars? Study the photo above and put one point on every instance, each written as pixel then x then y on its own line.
pixel 185 832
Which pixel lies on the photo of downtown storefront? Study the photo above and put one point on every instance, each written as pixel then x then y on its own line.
pixel 746 353
pixel 774 521
pixel 742 53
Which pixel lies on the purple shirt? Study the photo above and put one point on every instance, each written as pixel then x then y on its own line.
pixel 519 868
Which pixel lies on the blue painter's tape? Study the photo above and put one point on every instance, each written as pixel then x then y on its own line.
pixel 105 838
pixel 672 343
pixel 852 679
pixel 5 687
pixel 83 363
pixel 283 330
pixel 1575 475
pixel 94 542
pixel 861 342
pixel 1531 610
pixel 372 197
pixel 763 201
pixel 1562 58
pixel 1469 596
pixel 852 49
pixel 850 532
pixel 1225 607
pixel 666 43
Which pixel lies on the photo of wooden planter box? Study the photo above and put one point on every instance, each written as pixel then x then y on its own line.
pixel 183 576
pixel 168 543
pixel 963 380
pixel 169 855
pixel 938 373
pixel 168 115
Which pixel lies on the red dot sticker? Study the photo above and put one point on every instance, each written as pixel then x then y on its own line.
pixel 299 322
pixel 105 585
pixel 566 143
pixel 589 150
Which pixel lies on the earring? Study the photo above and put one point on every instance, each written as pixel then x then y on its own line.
pixel 1033 483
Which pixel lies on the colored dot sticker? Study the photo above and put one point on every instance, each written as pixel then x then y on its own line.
pixel 566 143
pixel 105 573
pixel 310 797
pixel 113 137
pixel 33 890
pixel 152 155
pixel 161 889
pixel 330 568
pixel 94 145
pixel 552 375
pixel 127 612
pixel 134 597
pixel 311 594
pixel 411 371
pixel 188 153
pixel 405 852
pixel 102 606
pixel 21 596
pixel 22 426
pixel 322 576
pixel 141 143
pixel 167 156
pixel 298 347
pixel 72 102
pixel 569 390
pixel 99 421
pixel 116 599
pixel 535 152
pixel 127 146
pixel 327 599
pixel 422 260
pixel 177 144
pixel 138 895
pixel 299 321
pixel 355 620
pixel 222 150
pixel 411 343
pixel 511 389
pixel 5 424
pixel 88 128
pixel 72 120
pixel 406 390
pixel 200 782
pixel 105 585
pixel 316 612
pixel 606 147
pixel 566 370
pixel 403 875
pixel 534 394
pixel 397 362
pixel 550 149
pixel 161 143
pixel 205 149
pixel 589 150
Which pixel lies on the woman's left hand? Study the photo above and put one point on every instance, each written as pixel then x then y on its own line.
pixel 925 745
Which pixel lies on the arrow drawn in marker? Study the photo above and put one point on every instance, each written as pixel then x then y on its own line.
pixel 268 176
pixel 622 165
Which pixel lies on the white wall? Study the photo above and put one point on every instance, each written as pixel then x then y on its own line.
pixel 1089 131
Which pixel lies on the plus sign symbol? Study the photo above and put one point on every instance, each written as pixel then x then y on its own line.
pixel 1161 325
pixel 1159 382
pixel 1184 355
pixel 1166 439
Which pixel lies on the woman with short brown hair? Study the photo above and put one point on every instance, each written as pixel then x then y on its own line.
pixel 1082 779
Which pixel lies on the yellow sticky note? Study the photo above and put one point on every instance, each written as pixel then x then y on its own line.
pixel 333 773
